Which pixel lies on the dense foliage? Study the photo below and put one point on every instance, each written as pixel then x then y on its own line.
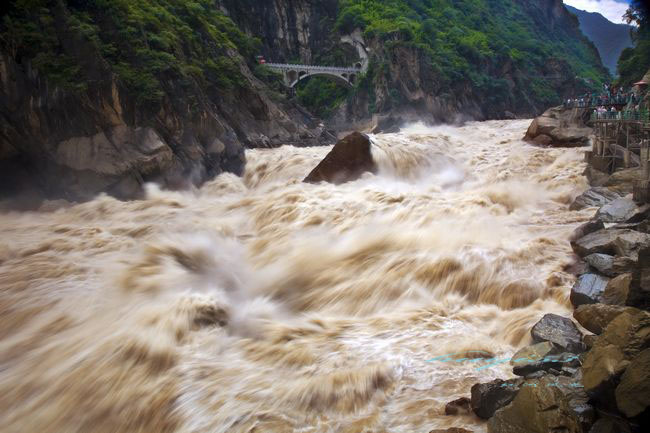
pixel 147 44
pixel 635 62
pixel 321 95
pixel 462 37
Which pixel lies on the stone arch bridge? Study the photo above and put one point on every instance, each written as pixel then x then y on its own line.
pixel 294 73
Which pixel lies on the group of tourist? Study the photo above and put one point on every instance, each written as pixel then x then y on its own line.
pixel 609 96
pixel 631 113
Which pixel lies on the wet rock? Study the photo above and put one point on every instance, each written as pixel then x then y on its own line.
pixel 610 265
pixel 550 363
pixel 594 197
pixel 633 393
pixel 596 317
pixel 623 338
pixel 533 352
pixel 543 140
pixel 622 242
pixel 488 397
pixel 639 290
pixel 629 244
pixel 347 161
pixel 587 228
pixel 560 331
pixel 549 404
pixel 622 181
pixel 460 406
pixel 617 211
pixel 610 425
pixel 588 289
pixel 617 290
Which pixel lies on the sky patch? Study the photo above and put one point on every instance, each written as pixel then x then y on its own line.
pixel 613 10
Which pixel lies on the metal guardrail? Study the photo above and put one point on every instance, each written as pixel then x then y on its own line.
pixel 286 67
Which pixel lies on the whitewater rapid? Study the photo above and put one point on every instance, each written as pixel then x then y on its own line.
pixel 264 304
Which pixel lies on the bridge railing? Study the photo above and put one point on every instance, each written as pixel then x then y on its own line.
pixel 286 66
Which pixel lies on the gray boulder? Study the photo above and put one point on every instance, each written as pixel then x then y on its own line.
pixel 588 289
pixel 594 197
pixel 587 228
pixel 610 265
pixel 622 242
pixel 560 331
pixel 616 211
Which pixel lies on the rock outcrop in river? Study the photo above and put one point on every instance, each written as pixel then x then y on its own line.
pixel 560 127
pixel 348 160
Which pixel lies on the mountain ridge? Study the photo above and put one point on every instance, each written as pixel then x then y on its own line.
pixel 610 38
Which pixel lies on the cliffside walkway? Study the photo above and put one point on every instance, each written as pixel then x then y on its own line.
pixel 622 140
pixel 294 73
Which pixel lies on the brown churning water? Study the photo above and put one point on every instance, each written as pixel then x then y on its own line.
pixel 263 304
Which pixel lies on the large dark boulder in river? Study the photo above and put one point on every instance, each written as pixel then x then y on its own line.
pixel 347 161
pixel 560 331
pixel 559 127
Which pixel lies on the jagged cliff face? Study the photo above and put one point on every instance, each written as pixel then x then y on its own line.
pixel 202 102
pixel 406 77
pixel 61 142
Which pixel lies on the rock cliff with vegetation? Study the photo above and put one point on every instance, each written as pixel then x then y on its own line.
pixel 435 58
pixel 102 95
pixel 105 95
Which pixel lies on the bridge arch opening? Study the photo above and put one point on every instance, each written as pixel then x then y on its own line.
pixel 342 79
pixel 322 94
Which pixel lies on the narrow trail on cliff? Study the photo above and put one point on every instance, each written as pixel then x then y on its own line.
pixel 263 304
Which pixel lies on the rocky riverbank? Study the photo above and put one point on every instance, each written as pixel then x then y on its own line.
pixel 589 373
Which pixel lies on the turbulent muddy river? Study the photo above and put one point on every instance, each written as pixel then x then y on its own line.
pixel 263 304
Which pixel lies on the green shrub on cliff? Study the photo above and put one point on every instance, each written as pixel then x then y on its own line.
pixel 150 45
pixel 321 95
pixel 635 62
